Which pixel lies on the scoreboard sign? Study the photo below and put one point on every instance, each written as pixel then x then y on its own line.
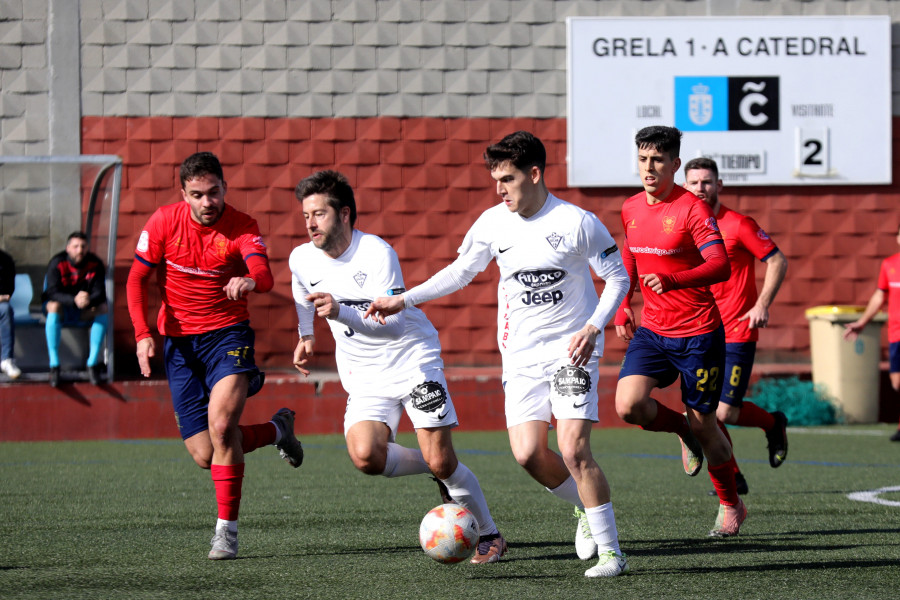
pixel 774 100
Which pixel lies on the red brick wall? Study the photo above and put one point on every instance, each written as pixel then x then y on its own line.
pixel 420 184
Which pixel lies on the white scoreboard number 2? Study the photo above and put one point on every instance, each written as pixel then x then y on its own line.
pixel 812 152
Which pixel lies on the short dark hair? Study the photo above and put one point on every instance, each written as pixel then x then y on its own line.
pixel 702 163
pixel 334 186
pixel 521 149
pixel 77 235
pixel 200 164
pixel 662 138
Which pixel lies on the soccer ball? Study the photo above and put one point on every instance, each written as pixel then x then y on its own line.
pixel 449 533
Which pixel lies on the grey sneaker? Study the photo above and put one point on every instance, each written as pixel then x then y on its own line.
pixel 10 368
pixel 609 565
pixel 585 546
pixel 224 545
pixel 691 454
pixel 289 446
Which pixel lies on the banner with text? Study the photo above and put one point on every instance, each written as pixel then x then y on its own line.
pixel 774 100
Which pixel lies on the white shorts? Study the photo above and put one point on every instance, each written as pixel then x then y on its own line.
pixel 554 389
pixel 423 395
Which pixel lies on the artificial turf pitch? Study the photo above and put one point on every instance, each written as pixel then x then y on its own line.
pixel 118 519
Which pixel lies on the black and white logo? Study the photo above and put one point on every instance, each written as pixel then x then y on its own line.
pixel 572 381
pixel 538 279
pixel 429 396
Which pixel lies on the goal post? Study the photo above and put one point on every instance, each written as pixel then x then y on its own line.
pixel 42 200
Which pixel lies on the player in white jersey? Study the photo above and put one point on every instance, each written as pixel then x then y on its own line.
pixel 385 368
pixel 550 323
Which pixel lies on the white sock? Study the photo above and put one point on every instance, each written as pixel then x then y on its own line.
pixel 465 489
pixel 603 527
pixel 402 461
pixel 229 525
pixel 568 491
pixel 277 433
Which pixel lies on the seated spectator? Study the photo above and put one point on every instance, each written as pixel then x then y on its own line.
pixel 76 290
pixel 7 325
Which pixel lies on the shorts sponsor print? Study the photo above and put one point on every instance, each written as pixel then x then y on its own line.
pixel 424 397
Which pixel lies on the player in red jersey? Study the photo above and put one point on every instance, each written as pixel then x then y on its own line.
pixel 743 309
pixel 888 290
pixel 674 250
pixel 210 256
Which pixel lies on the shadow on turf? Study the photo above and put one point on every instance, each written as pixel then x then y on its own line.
pixel 785 566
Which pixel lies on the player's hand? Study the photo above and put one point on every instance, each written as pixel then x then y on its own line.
pixel 851 330
pixel 238 286
pixel 582 344
pixel 653 282
pixel 303 352
pixel 4 297
pixel 626 332
pixel 82 299
pixel 758 316
pixel 326 306
pixel 146 349
pixel 384 306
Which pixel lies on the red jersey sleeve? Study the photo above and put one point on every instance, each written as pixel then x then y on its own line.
pixel 755 239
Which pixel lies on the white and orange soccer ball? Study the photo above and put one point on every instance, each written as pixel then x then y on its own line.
pixel 449 533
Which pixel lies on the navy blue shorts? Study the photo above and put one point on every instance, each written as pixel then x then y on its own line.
pixel 894 356
pixel 195 363
pixel 738 366
pixel 699 359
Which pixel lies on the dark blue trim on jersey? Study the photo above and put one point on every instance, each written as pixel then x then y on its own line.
pixel 255 254
pixel 708 244
pixel 770 254
pixel 146 262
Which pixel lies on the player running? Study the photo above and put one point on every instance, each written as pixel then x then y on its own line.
pixel 549 328
pixel 212 256
pixel 673 248
pixel 743 309
pixel 384 368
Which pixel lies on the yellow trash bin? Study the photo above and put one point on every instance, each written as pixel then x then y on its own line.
pixel 848 370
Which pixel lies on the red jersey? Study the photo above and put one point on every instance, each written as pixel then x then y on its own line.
pixel 745 241
pixel 198 262
pixel 889 283
pixel 667 238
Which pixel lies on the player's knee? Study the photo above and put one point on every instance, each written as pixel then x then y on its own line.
pixel 367 460
pixel 203 459
pixel 443 465
pixel 727 414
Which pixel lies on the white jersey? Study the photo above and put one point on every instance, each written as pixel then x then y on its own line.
pixel 546 292
pixel 368 354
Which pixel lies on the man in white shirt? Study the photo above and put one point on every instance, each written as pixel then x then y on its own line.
pixel 549 329
pixel 385 368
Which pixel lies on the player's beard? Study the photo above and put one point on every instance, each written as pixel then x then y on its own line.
pixel 330 241
pixel 210 217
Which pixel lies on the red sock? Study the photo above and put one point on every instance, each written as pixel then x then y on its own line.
pixel 228 480
pixel 667 420
pixel 753 416
pixel 257 436
pixel 722 477
pixel 724 430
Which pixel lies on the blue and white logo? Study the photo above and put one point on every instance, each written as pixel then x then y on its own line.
pixel 701 103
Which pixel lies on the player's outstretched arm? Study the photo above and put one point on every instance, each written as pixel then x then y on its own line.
pixel 876 301
pixel 383 307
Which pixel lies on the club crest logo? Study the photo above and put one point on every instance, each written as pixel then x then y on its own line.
pixel 359 278
pixel 554 239
pixel 700 105
pixel 711 223
pixel 762 235
pixel 668 224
